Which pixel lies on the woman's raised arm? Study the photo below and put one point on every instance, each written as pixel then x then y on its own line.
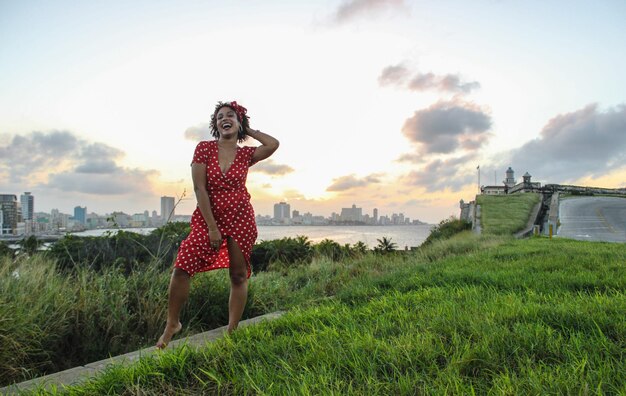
pixel 268 145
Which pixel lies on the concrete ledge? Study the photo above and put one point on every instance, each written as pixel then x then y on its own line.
pixel 477 216
pixel 528 230
pixel 80 374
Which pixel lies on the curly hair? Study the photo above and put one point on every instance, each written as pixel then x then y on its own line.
pixel 244 124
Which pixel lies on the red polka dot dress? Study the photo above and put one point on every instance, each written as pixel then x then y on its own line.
pixel 232 210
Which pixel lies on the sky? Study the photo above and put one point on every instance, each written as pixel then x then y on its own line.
pixel 388 104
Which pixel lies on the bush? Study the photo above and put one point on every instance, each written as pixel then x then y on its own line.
pixel 288 251
pixel 330 249
pixel 446 229
pixel 126 250
pixel 6 251
pixel 29 245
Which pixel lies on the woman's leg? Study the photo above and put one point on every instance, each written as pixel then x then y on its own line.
pixel 238 272
pixel 178 294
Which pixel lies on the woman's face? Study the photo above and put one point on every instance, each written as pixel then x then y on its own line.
pixel 227 122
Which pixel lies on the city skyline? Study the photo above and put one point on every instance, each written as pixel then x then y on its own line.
pixel 392 104
pixel 169 208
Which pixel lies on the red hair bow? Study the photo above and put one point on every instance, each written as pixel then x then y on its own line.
pixel 240 110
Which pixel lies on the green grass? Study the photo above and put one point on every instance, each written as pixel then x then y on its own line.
pixel 52 321
pixel 505 214
pixel 471 315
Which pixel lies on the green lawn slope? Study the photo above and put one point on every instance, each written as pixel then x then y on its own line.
pixel 505 214
pixel 467 315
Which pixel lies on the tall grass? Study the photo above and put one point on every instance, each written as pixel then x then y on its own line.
pixel 72 306
pixel 506 317
pixel 50 321
pixel 506 214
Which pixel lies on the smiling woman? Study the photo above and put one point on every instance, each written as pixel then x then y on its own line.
pixel 223 229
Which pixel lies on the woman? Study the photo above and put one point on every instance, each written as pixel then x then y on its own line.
pixel 223 230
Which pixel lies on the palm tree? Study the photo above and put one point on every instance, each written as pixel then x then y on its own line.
pixel 385 246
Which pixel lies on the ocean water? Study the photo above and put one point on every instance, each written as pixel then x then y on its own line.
pixel 403 236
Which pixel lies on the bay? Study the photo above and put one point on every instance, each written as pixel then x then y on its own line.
pixel 404 236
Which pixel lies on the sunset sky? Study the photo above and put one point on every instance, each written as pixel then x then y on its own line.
pixel 388 104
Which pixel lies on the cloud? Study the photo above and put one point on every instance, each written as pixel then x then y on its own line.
pixel 25 154
pixel 440 174
pixel 98 158
pixel 59 160
pixel 400 75
pixel 418 202
pixel 348 182
pixel 199 132
pixel 271 168
pixel 117 182
pixel 447 126
pixel 414 158
pixel 351 9
pixel 393 75
pixel 586 142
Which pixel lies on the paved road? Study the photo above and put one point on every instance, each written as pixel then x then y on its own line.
pixel 593 219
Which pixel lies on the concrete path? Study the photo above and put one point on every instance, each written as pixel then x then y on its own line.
pixel 593 219
pixel 82 373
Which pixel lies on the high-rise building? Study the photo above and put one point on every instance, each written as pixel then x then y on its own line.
pixel 351 214
pixel 167 208
pixel 28 206
pixel 375 218
pixel 8 206
pixel 80 214
pixel 281 212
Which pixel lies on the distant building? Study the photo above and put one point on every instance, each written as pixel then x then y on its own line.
pixel 510 178
pixel 120 219
pixel 80 214
pixel 167 208
pixel 375 218
pixel 9 218
pixel 526 185
pixel 282 212
pixel 351 214
pixel 493 190
pixel 28 206
pixel 509 185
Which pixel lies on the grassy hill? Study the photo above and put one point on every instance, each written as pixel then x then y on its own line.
pixel 506 214
pixel 468 315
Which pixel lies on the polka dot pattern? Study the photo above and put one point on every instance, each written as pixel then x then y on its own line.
pixel 232 210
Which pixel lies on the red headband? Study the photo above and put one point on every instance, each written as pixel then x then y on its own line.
pixel 240 110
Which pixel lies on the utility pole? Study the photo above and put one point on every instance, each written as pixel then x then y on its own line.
pixel 478 169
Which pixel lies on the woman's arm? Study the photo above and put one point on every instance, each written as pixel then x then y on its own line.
pixel 198 175
pixel 267 147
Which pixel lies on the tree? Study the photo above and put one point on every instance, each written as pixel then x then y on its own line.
pixel 385 246
pixel 29 245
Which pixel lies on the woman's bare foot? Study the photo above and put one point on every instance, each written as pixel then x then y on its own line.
pixel 167 335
